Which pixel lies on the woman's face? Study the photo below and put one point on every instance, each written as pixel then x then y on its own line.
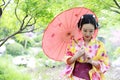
pixel 87 31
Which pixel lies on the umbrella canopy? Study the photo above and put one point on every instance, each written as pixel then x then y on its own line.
pixel 60 31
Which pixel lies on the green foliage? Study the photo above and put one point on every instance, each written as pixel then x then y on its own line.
pixel 15 49
pixel 98 5
pixel 44 10
pixel 41 55
pixel 10 72
pixel 25 40
pixel 103 10
pixel 3 32
pixel 20 38
pixel 116 52
pixel 38 38
pixel 36 9
pixel 47 62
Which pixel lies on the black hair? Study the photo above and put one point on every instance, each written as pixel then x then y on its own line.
pixel 87 18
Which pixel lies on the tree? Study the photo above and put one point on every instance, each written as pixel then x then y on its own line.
pixel 29 15
pixel 117 8
pixel 21 16
pixel 98 5
pixel 106 10
pixel 23 23
pixel 0 12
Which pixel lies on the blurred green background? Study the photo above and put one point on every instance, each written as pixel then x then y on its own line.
pixel 23 22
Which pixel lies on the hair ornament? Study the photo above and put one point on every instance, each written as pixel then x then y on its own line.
pixel 94 16
pixel 81 17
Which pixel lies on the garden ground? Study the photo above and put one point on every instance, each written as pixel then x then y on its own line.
pixel 54 73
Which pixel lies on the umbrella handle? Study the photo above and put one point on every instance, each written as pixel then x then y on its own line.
pixel 75 41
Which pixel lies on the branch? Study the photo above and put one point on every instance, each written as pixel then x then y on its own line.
pixel 19 31
pixel 4 40
pixel 116 3
pixel 22 27
pixel 16 12
pixel 108 4
pixel 30 30
pixel 23 21
pixel 0 12
pixel 115 11
pixel 3 3
pixel 32 23
pixel 113 6
pixel 27 23
pixel 6 4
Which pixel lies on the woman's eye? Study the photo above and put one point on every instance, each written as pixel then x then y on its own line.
pixel 91 31
pixel 85 30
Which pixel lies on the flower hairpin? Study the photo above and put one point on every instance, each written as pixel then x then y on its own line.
pixel 81 17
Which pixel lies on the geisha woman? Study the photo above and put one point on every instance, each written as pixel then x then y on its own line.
pixel 86 58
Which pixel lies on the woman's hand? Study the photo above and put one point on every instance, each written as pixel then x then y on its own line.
pixel 94 63
pixel 88 59
pixel 76 56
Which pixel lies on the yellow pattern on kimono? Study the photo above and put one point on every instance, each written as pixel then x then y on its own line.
pixel 98 53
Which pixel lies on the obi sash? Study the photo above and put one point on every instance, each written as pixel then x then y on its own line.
pixel 81 70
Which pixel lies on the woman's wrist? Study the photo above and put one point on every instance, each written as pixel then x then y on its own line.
pixel 71 60
pixel 95 63
pixel 74 58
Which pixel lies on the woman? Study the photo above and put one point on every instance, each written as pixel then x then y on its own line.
pixel 86 58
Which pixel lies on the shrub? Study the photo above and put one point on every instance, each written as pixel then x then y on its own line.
pixel 47 62
pixel 15 49
pixel 41 55
pixel 24 40
pixel 38 38
pixel 10 72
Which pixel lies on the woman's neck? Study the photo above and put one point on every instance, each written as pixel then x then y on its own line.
pixel 87 41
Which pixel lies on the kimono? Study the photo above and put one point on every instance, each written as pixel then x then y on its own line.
pixel 97 52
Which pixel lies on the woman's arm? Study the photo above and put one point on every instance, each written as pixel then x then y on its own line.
pixel 75 56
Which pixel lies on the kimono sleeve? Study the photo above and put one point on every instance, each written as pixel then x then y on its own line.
pixel 69 52
pixel 102 58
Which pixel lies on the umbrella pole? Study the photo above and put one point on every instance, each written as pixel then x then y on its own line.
pixel 75 41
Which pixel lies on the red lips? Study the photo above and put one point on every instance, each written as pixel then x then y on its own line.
pixel 87 36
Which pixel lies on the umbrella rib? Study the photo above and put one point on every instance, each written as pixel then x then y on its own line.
pixel 87 11
pixel 62 47
pixel 57 46
pixel 47 51
pixel 79 14
pixel 56 28
pixel 66 22
pixel 62 24
pixel 71 17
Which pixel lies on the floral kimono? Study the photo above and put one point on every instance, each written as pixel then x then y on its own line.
pixel 97 52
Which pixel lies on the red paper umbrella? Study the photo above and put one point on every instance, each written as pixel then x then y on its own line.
pixel 60 31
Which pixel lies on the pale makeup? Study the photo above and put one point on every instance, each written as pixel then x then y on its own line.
pixel 87 31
